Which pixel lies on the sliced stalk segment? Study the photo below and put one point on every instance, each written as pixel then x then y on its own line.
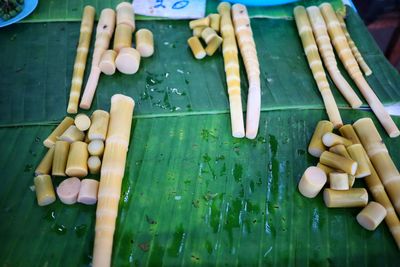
pixel 354 197
pixel 316 147
pixel 44 190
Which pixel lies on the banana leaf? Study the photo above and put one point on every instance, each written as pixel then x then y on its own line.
pixel 193 195
pixel 37 61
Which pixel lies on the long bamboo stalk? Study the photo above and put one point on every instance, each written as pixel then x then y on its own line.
pixel 112 173
pixel 380 158
pixel 328 56
pixel 354 49
pixel 377 190
pixel 104 31
pixel 231 62
pixel 343 50
pixel 80 59
pixel 314 61
pixel 247 46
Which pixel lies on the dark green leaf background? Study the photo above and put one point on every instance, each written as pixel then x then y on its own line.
pixel 192 194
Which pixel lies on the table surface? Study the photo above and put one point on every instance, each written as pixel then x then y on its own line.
pixel 191 194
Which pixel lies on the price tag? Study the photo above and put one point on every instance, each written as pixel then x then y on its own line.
pixel 174 9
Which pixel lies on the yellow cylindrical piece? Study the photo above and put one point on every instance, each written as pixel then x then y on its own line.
pixel 197 31
pixel 61 149
pixel 327 170
pixel 144 42
pixel 82 122
pixel 213 45
pixel 88 191
pixel 45 165
pixel 331 139
pixel 94 164
pixel 357 153
pixel 57 132
pixel 338 162
pixel 96 148
pixel 208 34
pixel 371 216
pixel 215 21
pixel 340 150
pixel 312 181
pixel 354 197
pixel 122 37
pixel 72 134
pixel 347 131
pixel 339 181
pixel 128 60
pixel 203 22
pixel 316 147
pixel 126 15
pixel 107 62
pixel 44 190
pixel 99 126
pixel 196 47
pixel 106 23
pixel 77 160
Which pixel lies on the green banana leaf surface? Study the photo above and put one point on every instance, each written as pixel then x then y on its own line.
pixel 192 195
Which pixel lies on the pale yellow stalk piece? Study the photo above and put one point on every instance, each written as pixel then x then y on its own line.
pixel 340 150
pixel 72 134
pixel 347 131
pixel 213 45
pixel 196 47
pixel 77 160
pixel 107 62
pixel 231 63
pixel 203 22
pixel 98 128
pixel 96 148
pixel 357 153
pixel 45 165
pixel 380 158
pixel 338 162
pixel 315 63
pixel 122 37
pixel 44 190
pixel 88 192
pixel 208 34
pixel 354 197
pixel 104 31
pixel 215 20
pixel 371 216
pixel 112 173
pixel 248 51
pixel 327 170
pixel 339 181
pixel 144 42
pixel 82 122
pixel 126 15
pixel 316 147
pixel 328 56
pixel 94 164
pixel 128 60
pixel 331 139
pixel 344 52
pixel 197 31
pixel 360 60
pixel 312 181
pixel 58 131
pixel 80 58
pixel 61 149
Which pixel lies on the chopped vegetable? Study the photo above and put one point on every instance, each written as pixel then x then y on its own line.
pixel 122 37
pixel 72 134
pixel 45 165
pixel 126 15
pixel 58 131
pixel 340 150
pixel 88 191
pixel 98 128
pixel 196 47
pixel 61 149
pixel 44 190
pixel 96 148
pixel 312 181
pixel 331 139
pixel 215 20
pixel 82 122
pixel 339 181
pixel 68 190
pixel 94 164
pixel 338 162
pixel 316 147
pixel 357 153
pixel 144 42
pixel 371 216
pixel 107 62
pixel 77 159
pixel 128 60
pixel 203 22
pixel 354 197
